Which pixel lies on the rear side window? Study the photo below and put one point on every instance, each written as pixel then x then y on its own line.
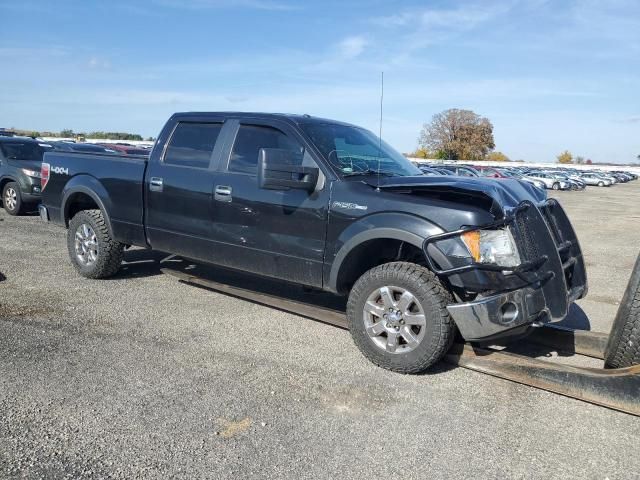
pixel 16 150
pixel 191 144
pixel 250 139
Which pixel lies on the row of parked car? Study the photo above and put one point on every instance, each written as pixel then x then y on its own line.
pixel 21 159
pixel 559 178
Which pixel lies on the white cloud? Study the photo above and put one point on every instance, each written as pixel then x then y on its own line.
pixel 465 16
pixel 98 63
pixel 351 47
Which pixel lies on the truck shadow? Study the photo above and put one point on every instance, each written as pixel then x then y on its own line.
pixel 139 262
pixel 576 319
pixel 142 263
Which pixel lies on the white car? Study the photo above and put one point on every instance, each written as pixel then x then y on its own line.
pixel 550 181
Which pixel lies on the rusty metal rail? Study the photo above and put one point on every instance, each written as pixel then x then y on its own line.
pixel 618 389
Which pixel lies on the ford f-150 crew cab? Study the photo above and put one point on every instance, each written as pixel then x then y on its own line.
pixel 329 205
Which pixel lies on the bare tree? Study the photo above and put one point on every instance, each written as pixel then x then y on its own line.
pixel 458 134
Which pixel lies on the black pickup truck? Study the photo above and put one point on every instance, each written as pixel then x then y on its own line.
pixel 328 205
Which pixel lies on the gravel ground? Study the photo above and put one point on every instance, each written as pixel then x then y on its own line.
pixel 144 377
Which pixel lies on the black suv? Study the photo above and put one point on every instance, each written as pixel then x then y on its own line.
pixel 20 161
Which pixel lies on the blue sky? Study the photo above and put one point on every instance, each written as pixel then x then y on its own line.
pixel 550 74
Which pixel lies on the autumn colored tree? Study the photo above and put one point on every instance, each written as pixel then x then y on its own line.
pixel 565 157
pixel 421 153
pixel 498 157
pixel 458 134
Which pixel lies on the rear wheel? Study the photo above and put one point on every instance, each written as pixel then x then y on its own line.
pixel 11 199
pixel 556 186
pixel 93 252
pixel 623 347
pixel 398 318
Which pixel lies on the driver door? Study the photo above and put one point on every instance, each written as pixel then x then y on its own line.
pixel 277 233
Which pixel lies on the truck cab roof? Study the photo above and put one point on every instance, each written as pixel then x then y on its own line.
pixel 289 117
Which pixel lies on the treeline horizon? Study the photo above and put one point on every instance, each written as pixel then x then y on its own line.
pixel 69 133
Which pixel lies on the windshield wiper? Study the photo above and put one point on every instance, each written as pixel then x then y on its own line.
pixel 370 171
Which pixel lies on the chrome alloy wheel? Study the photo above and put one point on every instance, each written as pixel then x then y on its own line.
pixel 86 245
pixel 11 198
pixel 394 319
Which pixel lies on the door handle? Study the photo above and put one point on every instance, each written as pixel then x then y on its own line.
pixel 155 184
pixel 222 193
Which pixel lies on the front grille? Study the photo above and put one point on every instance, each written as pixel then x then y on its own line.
pixel 568 248
pixel 525 237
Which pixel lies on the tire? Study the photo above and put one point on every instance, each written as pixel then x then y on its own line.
pixel 556 186
pixel 93 252
pixel 601 184
pixel 623 346
pixel 11 199
pixel 419 345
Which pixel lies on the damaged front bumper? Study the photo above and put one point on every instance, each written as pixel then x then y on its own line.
pixel 492 316
pixel 541 289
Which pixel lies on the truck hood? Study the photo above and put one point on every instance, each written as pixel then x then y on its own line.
pixel 504 194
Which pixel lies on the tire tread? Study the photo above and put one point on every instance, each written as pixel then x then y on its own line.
pixel 111 252
pixel 623 347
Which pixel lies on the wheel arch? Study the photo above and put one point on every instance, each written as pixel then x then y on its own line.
pixel 77 196
pixel 392 237
pixel 6 179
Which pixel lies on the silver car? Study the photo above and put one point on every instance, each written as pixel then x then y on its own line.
pixel 597 180
pixel 550 180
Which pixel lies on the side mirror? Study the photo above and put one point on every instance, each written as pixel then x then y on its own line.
pixel 280 169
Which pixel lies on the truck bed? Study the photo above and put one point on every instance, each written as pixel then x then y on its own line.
pixel 116 180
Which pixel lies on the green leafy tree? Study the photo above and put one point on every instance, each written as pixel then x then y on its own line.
pixel 565 157
pixel 66 133
pixel 114 136
pixel 458 135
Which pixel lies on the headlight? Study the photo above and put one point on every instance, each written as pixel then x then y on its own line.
pixel 31 173
pixel 492 246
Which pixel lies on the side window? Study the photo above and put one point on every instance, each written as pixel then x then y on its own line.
pixel 191 144
pixel 250 139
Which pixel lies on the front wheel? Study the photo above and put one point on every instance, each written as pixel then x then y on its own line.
pixel 93 252
pixel 11 199
pixel 601 184
pixel 398 317
pixel 556 186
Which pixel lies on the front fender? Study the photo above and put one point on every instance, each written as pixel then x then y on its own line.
pixel 394 226
pixel 91 187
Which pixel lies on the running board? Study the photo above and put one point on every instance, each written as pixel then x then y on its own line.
pixel 618 389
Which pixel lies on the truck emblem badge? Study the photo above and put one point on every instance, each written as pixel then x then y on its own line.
pixel 60 170
pixel 349 206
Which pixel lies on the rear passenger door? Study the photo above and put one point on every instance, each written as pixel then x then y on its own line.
pixel 278 233
pixel 178 190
